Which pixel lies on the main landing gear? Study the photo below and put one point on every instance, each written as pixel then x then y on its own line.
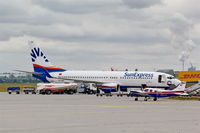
pixel 155 98
pixel 146 98
pixel 136 99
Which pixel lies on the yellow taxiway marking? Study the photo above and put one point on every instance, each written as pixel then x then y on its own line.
pixel 116 106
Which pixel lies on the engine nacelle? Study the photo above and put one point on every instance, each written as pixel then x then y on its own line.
pixel 110 87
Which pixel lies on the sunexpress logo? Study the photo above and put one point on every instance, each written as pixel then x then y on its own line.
pixel 140 75
pixel 36 52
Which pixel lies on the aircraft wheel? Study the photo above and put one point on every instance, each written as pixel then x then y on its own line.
pixel 70 92
pixel 91 92
pixel 48 92
pixel 42 92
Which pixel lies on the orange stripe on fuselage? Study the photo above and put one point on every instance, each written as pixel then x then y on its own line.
pixel 51 67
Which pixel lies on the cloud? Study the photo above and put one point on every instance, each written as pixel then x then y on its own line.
pixel 77 6
pixel 36 20
pixel 138 4
pixel 97 34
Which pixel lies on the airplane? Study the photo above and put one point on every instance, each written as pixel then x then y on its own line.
pixel 107 81
pixel 180 90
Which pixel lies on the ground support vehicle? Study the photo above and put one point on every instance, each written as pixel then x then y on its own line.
pixel 87 88
pixel 16 90
pixel 28 90
pixel 56 88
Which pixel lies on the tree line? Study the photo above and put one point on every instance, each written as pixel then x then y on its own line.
pixel 18 79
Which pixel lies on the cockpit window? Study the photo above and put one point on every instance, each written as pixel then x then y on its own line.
pixel 170 77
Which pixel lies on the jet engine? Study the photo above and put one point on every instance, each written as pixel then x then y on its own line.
pixel 110 87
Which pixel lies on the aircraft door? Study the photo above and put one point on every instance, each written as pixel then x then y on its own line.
pixel 161 78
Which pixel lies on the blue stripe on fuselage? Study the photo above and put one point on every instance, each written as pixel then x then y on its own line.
pixel 162 94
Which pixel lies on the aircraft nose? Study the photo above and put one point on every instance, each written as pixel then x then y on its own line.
pixel 176 81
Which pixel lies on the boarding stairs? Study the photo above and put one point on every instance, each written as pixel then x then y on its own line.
pixel 193 88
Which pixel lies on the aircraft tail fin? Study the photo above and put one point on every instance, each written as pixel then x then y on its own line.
pixel 40 61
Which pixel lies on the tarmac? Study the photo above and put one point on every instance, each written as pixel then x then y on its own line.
pixel 91 114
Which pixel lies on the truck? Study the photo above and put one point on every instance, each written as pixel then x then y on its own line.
pixel 10 90
pixel 56 88
pixel 87 88
pixel 28 90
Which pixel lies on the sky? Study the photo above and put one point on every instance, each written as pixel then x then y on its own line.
pixel 100 34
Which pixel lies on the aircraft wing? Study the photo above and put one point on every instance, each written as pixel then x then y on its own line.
pixel 79 80
pixel 143 95
pixel 139 93
pixel 183 94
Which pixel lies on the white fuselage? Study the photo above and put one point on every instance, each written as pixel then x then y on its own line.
pixel 134 79
pixel 108 79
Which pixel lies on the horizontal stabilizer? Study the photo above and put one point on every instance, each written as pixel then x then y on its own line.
pixel 35 73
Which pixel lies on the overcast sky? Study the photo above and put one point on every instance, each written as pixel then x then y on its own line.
pixel 99 34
